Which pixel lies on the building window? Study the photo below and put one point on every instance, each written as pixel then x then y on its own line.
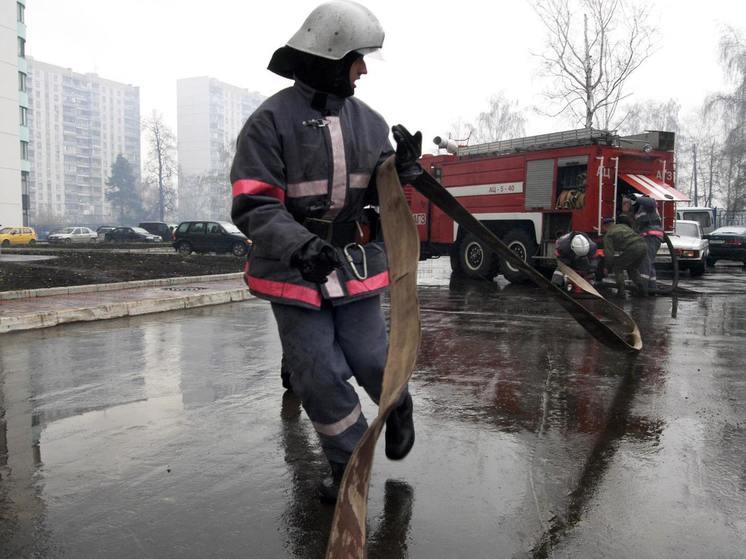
pixel 21 47
pixel 21 9
pixel 24 116
pixel 21 82
pixel 24 150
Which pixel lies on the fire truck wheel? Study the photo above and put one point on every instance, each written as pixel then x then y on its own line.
pixel 523 246
pixel 475 260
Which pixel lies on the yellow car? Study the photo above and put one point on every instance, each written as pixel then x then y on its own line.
pixel 14 236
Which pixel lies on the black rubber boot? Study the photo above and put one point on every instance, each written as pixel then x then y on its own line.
pixel 400 431
pixel 329 486
pixel 285 375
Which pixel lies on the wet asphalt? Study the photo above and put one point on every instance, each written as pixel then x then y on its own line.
pixel 170 436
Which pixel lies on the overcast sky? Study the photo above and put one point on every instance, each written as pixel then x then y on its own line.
pixel 442 59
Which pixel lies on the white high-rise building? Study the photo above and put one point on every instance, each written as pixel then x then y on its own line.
pixel 78 123
pixel 14 134
pixel 210 114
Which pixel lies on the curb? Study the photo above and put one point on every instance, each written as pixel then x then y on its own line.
pixel 47 319
pixel 99 287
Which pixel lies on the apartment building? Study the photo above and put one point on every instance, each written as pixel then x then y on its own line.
pixel 78 124
pixel 14 133
pixel 210 114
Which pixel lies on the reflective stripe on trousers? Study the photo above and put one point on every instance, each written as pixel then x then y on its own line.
pixel 323 349
pixel 647 266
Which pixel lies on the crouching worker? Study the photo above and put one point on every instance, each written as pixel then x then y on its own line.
pixel 304 170
pixel 577 251
pixel 624 250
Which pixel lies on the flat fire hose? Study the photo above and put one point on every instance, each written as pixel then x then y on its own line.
pixel 598 321
pixel 347 537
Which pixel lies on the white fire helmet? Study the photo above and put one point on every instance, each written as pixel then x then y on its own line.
pixel 336 28
pixel 580 245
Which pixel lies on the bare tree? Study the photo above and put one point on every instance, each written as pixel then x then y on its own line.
pixel 701 133
pixel 161 165
pixel 733 108
pixel 461 131
pixel 503 119
pixel 208 195
pixel 593 46
pixel 650 115
pixel 193 196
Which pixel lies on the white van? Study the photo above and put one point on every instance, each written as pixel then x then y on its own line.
pixel 706 217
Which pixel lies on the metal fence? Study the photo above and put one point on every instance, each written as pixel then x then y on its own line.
pixel 731 218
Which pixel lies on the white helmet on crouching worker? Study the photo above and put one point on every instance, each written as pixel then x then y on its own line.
pixel 580 245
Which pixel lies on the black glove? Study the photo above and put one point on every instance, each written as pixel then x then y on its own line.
pixel 408 151
pixel 315 260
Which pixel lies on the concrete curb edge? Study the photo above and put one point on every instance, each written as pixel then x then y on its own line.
pixel 48 319
pixel 99 287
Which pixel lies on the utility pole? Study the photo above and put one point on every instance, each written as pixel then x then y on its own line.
pixel 694 152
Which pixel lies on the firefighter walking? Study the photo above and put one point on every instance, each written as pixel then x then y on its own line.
pixel 304 169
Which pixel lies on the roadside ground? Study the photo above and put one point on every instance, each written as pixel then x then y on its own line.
pixel 81 267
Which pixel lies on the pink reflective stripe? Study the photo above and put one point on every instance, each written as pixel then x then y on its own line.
pixel 379 281
pixel 284 290
pixel 359 180
pixel 653 233
pixel 333 285
pixel 252 187
pixel 339 427
pixel 308 188
pixel 339 176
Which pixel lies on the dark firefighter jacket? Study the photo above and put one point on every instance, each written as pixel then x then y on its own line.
pixel 304 155
pixel 618 239
pixel 566 255
pixel 648 220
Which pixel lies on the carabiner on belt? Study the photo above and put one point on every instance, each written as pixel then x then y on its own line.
pixel 354 269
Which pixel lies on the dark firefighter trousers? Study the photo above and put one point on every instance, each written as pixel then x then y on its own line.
pixel 647 268
pixel 323 349
pixel 631 260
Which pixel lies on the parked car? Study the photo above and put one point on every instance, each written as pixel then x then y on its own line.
pixel 16 236
pixel 102 230
pixel 131 235
pixel 70 235
pixel 210 236
pixel 158 228
pixel 690 247
pixel 728 243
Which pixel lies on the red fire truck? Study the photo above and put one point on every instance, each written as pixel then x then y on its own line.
pixel 530 191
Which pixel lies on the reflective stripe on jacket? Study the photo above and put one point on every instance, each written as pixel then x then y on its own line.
pixel 303 154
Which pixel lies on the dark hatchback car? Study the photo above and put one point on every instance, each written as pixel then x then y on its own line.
pixel 131 235
pixel 727 243
pixel 210 236
pixel 158 228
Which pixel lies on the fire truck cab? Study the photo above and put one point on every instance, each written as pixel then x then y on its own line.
pixel 530 191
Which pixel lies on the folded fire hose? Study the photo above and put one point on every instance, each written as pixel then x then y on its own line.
pixel 347 537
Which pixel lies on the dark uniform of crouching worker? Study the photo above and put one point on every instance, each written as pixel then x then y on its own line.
pixel 304 170
pixel 577 251
pixel 624 250
pixel 648 224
